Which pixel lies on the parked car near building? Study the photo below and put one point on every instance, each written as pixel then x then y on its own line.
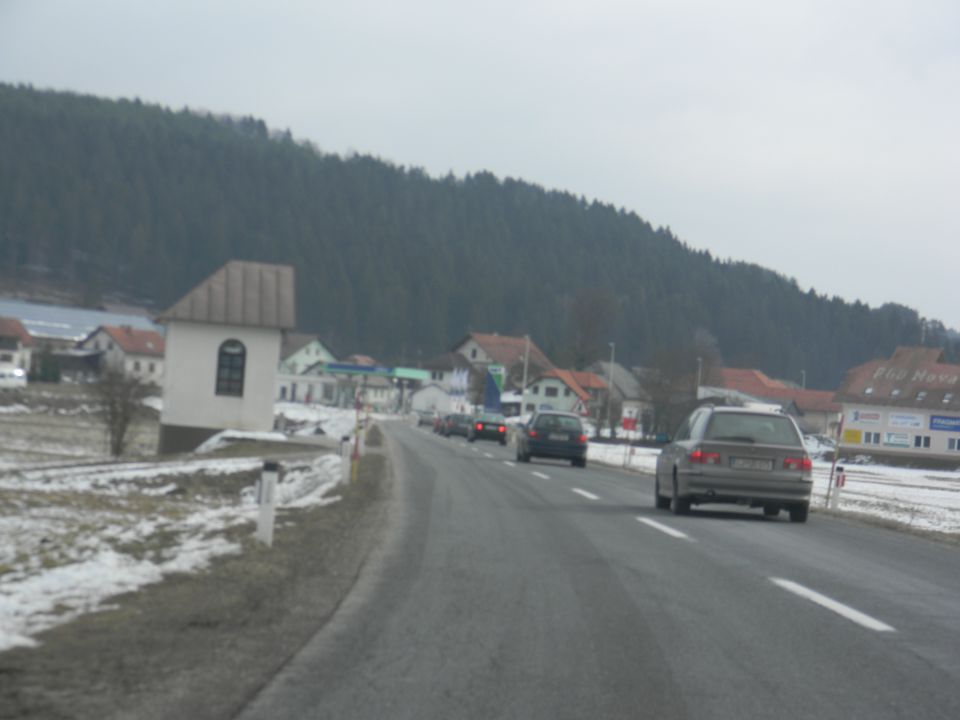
pixel 552 434
pixel 736 455
pixel 12 377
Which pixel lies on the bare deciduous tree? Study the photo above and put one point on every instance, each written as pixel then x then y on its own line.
pixel 121 403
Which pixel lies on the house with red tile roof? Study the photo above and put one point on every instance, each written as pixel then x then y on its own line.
pixel 906 406
pixel 482 349
pixel 814 410
pixel 16 345
pixel 134 352
pixel 575 391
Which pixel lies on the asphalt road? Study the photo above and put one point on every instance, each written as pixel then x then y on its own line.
pixel 509 590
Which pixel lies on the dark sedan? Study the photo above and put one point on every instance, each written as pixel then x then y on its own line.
pixel 457 424
pixel 552 434
pixel 489 426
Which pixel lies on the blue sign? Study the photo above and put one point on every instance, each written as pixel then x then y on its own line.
pixel 945 422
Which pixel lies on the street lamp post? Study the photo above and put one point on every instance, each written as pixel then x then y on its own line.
pixel 613 347
pixel 699 371
pixel 803 379
pixel 523 389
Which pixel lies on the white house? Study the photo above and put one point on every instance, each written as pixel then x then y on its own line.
pixel 298 354
pixel 223 342
pixel 431 397
pixel 16 345
pixel 134 352
pixel 566 390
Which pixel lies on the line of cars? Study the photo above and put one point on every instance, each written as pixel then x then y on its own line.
pixel 755 458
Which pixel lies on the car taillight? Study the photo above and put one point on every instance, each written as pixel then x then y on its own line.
pixel 583 438
pixel 531 433
pixel 479 426
pixel 699 457
pixel 804 464
pixel 502 428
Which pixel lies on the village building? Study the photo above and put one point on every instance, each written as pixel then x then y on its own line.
pixel 132 352
pixel 16 345
pixel 299 354
pixel 482 350
pixel 636 405
pixel 907 406
pixel 815 411
pixel 223 344
pixel 566 390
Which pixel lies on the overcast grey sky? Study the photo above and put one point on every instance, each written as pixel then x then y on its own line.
pixel 820 138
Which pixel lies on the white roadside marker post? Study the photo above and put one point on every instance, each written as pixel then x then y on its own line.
pixel 267 500
pixel 840 480
pixel 345 460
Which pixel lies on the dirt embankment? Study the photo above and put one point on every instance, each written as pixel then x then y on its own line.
pixel 200 646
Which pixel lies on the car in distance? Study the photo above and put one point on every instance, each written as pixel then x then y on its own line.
pixel 457 424
pixel 425 417
pixel 488 426
pixel 553 434
pixel 736 455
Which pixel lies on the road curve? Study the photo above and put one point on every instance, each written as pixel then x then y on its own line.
pixel 513 590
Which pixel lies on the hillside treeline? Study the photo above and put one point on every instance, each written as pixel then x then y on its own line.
pixel 115 197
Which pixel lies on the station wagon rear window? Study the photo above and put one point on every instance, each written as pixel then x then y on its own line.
pixel 757 429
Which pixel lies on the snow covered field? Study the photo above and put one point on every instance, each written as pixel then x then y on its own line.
pixel 923 499
pixel 72 535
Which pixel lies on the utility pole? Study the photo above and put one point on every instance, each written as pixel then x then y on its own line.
pixel 613 347
pixel 523 389
pixel 699 371
pixel 803 379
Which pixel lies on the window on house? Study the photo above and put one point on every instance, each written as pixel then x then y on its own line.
pixel 895 392
pixel 871 438
pixel 953 443
pixel 231 366
pixel 535 390
pixel 947 397
pixel 6 357
pixel 109 346
pixel 868 391
pixel 921 441
pixel 153 367
pixel 136 366
pixel 921 395
pixel 566 392
pixel 473 354
pixel 551 391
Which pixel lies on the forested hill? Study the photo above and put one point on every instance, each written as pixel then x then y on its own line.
pixel 110 197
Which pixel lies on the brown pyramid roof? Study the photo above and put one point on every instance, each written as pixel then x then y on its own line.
pixel 241 293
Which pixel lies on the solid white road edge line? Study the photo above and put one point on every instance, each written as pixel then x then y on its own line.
pixel 587 495
pixel 843 610
pixel 509 464
pixel 666 529
pixel 540 475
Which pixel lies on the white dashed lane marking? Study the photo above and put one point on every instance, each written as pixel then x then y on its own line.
pixel 584 493
pixel 666 529
pixel 541 475
pixel 830 604
pixel 509 464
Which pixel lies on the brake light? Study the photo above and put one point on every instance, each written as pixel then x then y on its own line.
pixel 479 426
pixel 699 457
pixel 531 433
pixel 583 439
pixel 502 428
pixel 804 464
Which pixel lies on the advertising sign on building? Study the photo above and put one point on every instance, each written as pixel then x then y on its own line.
pixel 905 420
pixel 945 422
pixel 900 440
pixel 867 417
pixel 852 437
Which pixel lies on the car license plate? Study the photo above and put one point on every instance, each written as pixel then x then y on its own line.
pixel 751 464
pixel 560 437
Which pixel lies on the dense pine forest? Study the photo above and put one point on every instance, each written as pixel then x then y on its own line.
pixel 122 198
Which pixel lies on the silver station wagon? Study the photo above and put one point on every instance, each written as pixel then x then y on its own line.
pixel 736 455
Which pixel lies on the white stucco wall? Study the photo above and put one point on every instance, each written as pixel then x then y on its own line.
pixel 565 400
pixel 431 397
pixel 114 358
pixel 189 392
pixel 467 350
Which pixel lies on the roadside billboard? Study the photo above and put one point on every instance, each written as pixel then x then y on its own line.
pixel 866 417
pixel 897 440
pixel 905 420
pixel 945 423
